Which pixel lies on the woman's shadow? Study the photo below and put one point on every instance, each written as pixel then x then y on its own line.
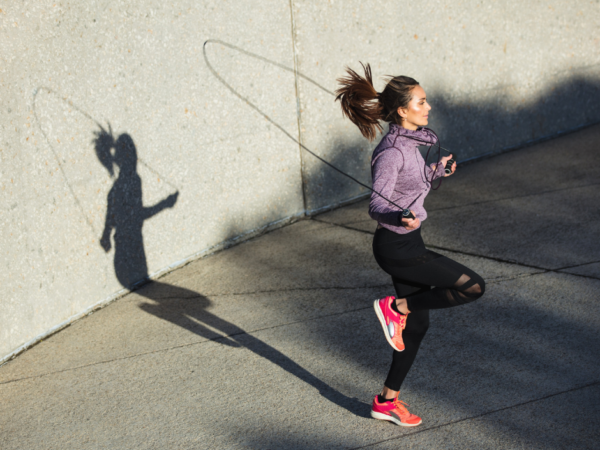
pixel 125 215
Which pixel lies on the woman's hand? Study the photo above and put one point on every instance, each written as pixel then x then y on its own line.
pixel 171 200
pixel 444 161
pixel 411 224
pixel 105 242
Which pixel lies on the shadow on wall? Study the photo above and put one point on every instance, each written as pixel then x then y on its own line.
pixel 185 308
pixel 475 128
pixel 496 120
pixel 125 212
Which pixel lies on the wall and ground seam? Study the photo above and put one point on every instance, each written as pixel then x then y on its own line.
pixel 137 136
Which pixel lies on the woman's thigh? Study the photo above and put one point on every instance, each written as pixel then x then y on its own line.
pixel 441 272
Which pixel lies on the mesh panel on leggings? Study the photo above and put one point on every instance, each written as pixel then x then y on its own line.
pixel 465 290
pixel 454 284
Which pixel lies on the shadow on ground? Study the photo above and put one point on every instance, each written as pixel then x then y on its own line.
pixel 529 338
pixel 185 308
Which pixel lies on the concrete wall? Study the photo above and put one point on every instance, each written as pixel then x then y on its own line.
pixel 206 134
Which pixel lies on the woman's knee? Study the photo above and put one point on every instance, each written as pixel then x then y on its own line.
pixel 469 289
pixel 479 286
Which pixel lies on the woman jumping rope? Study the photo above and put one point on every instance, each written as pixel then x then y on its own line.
pixel 401 175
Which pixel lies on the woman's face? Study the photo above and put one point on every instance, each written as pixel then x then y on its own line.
pixel 416 114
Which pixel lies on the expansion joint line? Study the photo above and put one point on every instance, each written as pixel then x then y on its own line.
pixel 298 109
pixel 465 419
pixel 298 289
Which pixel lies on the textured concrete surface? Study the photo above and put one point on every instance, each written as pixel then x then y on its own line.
pixel 69 68
pixel 274 344
pixel 207 103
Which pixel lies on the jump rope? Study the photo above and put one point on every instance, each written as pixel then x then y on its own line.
pixel 406 214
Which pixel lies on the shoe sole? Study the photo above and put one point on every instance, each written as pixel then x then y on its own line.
pixel 381 318
pixel 381 416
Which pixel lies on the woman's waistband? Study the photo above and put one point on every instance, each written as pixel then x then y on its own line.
pixel 386 236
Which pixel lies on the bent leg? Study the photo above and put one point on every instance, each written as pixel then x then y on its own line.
pixel 454 283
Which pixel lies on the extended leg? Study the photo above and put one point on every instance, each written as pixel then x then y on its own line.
pixel 416 327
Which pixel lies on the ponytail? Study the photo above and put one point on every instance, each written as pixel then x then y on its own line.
pixel 365 107
pixel 359 101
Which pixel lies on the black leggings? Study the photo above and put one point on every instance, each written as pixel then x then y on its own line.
pixel 415 270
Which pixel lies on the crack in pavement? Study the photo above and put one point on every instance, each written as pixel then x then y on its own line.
pixel 591 277
pixel 492 258
pixel 274 291
pixel 223 337
pixel 300 289
pixel 465 419
pixel 516 277
pixel 543 270
pixel 562 269
pixel 512 198
pixel 189 344
pixel 579 265
pixel 506 261
pixel 443 208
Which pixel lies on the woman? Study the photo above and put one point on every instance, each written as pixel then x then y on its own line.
pixel 401 176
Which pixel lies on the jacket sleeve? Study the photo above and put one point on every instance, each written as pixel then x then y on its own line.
pixel 440 172
pixel 385 171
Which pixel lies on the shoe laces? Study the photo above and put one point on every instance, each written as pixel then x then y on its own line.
pixel 399 404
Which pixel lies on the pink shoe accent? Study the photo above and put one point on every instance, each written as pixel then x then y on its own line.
pixel 391 322
pixel 394 411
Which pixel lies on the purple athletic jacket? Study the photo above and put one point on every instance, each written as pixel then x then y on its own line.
pixel 399 172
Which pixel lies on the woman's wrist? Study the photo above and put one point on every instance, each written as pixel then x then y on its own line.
pixel 400 216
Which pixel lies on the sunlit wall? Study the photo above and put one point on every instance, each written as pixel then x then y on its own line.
pixel 137 135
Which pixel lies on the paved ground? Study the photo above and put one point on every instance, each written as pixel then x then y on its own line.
pixel 273 343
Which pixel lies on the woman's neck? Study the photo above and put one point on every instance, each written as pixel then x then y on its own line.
pixel 408 125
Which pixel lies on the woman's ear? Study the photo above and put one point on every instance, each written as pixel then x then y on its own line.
pixel 401 112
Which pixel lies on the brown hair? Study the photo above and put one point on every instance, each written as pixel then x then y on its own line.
pixel 365 107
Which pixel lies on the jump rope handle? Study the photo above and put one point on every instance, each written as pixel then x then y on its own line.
pixel 406 214
pixel 448 168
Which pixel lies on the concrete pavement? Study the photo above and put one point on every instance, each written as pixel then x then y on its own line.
pixel 274 344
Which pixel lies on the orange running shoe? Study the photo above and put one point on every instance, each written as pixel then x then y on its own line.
pixel 391 322
pixel 394 411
